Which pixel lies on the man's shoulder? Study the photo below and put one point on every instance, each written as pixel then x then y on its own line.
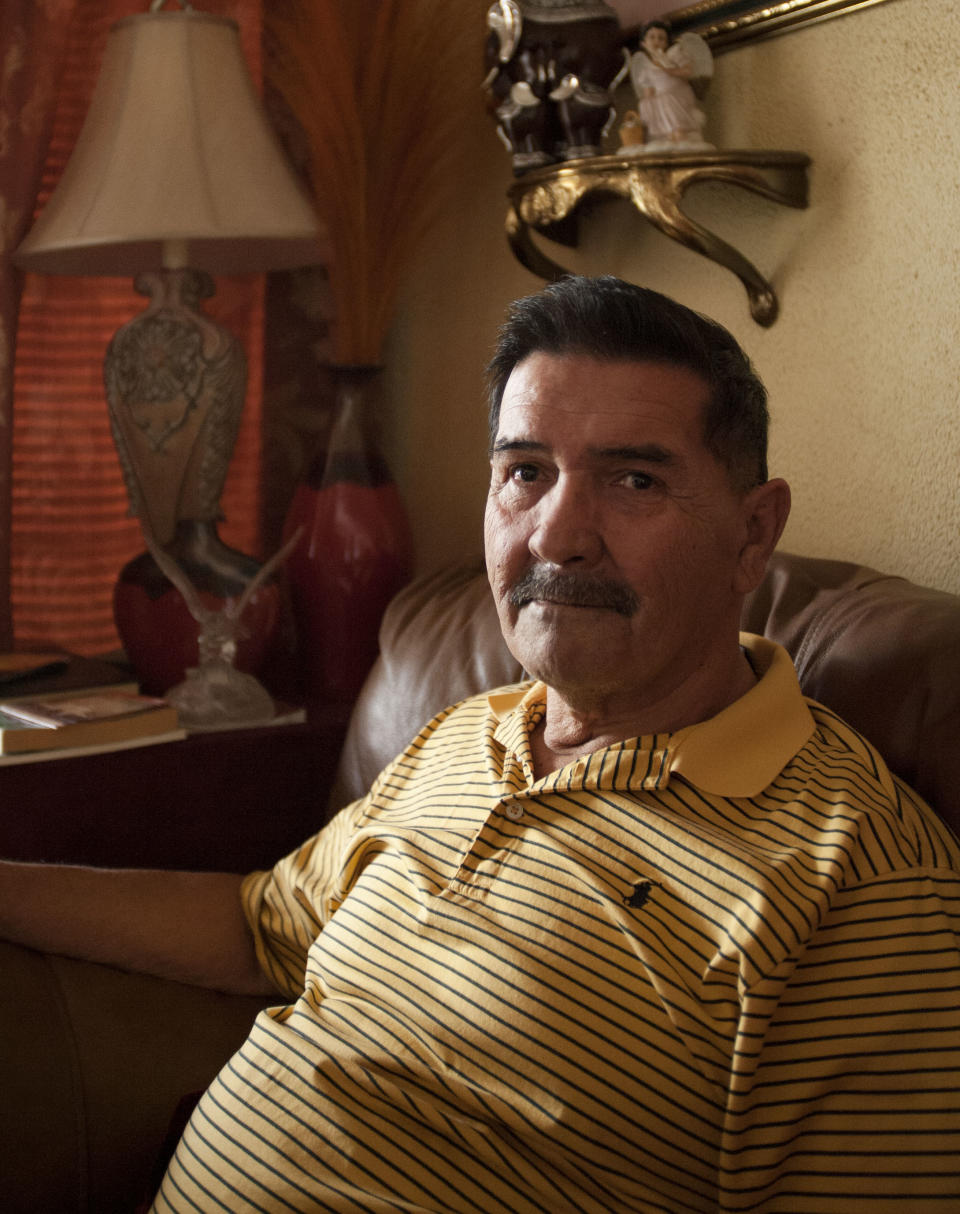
pixel 846 757
pixel 843 769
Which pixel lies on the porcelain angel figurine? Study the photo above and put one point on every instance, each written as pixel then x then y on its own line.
pixel 663 73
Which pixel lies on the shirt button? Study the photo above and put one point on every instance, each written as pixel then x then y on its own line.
pixel 514 812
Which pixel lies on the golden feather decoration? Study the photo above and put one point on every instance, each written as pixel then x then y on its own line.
pixel 378 89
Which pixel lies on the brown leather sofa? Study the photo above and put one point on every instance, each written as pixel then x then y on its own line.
pixel 882 652
pixel 94 1061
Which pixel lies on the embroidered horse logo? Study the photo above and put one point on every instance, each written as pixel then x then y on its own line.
pixel 639 895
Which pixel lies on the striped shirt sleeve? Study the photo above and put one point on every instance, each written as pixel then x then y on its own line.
pixel 848 1099
pixel 287 906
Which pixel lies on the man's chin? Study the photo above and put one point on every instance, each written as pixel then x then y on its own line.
pixel 558 643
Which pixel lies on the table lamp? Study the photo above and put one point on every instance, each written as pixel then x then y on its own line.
pixel 176 175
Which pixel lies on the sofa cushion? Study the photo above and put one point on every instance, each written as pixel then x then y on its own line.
pixel 440 642
pixel 882 652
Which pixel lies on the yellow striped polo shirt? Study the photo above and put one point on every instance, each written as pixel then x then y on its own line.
pixel 712 970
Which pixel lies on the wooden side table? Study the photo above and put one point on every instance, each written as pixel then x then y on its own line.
pixel 233 800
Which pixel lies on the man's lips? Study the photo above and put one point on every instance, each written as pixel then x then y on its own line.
pixel 572 590
pixel 545 601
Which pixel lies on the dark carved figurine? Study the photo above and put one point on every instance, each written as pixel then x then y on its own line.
pixel 552 68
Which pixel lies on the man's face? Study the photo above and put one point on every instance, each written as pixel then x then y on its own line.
pixel 614 538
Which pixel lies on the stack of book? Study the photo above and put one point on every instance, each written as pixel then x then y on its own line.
pixel 58 705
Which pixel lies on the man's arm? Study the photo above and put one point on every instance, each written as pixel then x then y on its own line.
pixel 845 1100
pixel 186 926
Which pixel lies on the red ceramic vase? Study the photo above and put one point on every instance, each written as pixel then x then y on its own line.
pixel 156 628
pixel 355 552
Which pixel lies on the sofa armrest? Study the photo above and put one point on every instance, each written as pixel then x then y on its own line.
pixel 93 1066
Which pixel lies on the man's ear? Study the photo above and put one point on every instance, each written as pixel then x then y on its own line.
pixel 765 511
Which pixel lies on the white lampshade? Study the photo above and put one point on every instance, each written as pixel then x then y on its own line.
pixel 176 164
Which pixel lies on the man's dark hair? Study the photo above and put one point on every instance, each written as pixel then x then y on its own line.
pixel 615 321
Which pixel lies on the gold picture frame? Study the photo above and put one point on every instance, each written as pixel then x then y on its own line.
pixel 728 23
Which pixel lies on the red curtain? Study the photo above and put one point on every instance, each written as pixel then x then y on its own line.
pixel 70 532
pixel 32 41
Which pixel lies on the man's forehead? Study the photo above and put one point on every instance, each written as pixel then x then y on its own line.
pixel 600 397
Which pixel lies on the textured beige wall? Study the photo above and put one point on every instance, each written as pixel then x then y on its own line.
pixel 863 364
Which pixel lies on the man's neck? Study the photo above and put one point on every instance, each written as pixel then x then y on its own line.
pixel 572 727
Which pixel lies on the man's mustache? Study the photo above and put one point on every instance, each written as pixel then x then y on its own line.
pixel 573 590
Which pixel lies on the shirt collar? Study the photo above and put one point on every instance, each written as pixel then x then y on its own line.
pixel 744 748
pixel 736 753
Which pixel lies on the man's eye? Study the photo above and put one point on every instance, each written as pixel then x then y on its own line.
pixel 523 473
pixel 637 480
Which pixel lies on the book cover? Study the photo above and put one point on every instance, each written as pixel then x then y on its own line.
pixel 81 752
pixel 28 675
pixel 82 720
pixel 16 666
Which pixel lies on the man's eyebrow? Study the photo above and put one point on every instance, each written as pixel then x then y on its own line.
pixel 646 453
pixel 518 444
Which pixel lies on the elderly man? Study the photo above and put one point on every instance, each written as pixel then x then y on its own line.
pixel 647 932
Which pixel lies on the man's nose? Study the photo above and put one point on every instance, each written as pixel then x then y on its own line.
pixel 567 526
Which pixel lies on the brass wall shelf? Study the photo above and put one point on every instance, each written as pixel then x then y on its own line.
pixel 656 184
